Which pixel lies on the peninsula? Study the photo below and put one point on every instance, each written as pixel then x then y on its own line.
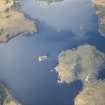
pixel 12 21
pixel 81 63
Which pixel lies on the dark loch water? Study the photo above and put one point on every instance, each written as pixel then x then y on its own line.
pixel 60 26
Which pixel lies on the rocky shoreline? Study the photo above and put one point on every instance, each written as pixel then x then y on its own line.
pixel 99 6
pixel 5 96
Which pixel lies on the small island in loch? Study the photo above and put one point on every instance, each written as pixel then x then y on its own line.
pixel 48 1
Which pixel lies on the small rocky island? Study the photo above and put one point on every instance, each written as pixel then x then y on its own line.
pixel 100 12
pixel 48 1
pixel 12 21
pixel 42 58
